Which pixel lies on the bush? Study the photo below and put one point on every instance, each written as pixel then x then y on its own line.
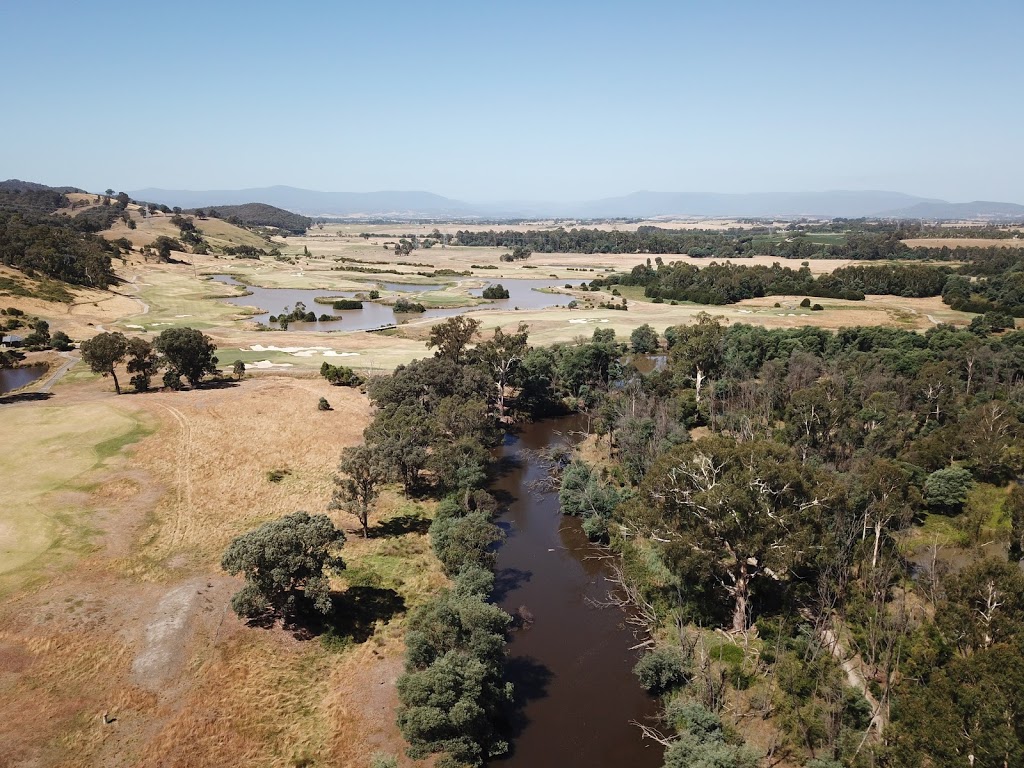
pixel 805 303
pixel 404 306
pixel 277 475
pixel 323 405
pixel 817 308
pixel 660 670
pixel 348 304
pixel 946 490
pixel 340 375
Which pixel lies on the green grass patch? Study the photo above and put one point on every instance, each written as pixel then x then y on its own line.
pixel 985 504
pixel 112 446
pixel 936 529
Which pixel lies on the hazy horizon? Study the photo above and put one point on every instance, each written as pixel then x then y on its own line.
pixel 520 103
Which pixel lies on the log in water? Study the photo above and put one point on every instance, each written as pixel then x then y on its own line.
pixel 573 666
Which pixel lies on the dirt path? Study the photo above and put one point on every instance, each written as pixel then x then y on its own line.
pixel 59 373
pixel 851 665
pixel 183 467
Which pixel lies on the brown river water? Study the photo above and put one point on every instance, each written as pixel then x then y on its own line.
pixel 572 667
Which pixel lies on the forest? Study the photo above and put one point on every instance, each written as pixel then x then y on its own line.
pixel 839 239
pixel 819 533
pixel 47 247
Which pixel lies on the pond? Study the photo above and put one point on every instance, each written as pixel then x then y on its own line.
pixel 16 378
pixel 524 294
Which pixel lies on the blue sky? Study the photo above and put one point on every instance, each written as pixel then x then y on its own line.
pixel 488 101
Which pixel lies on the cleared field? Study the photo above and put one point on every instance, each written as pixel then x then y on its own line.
pixel 139 629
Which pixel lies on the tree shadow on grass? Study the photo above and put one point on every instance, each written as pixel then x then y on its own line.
pixel 218 384
pixel 357 610
pixel 353 617
pixel 399 526
pixel 25 397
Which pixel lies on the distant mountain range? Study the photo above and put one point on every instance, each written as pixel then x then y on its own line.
pixel 830 204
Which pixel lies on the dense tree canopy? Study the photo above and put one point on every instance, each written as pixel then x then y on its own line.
pixel 285 564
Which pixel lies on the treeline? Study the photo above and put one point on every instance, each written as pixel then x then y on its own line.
pixel 726 283
pixel 795 514
pixel 435 424
pixel 734 243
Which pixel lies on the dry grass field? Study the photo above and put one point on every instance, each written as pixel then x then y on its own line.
pixel 964 242
pixel 117 604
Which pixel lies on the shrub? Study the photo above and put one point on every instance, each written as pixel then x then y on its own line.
pixel 805 303
pixel 340 375
pixel 404 306
pixel 348 304
pixel 323 405
pixel 946 490
pixel 277 475
pixel 660 670
pixel 817 308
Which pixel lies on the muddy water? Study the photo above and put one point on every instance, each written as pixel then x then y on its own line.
pixel 523 294
pixel 573 666
pixel 15 378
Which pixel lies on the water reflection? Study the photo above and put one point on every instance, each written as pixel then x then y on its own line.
pixel 16 378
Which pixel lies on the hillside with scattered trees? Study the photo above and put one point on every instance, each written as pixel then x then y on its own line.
pixel 258 215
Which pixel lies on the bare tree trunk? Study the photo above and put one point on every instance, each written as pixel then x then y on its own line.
pixel 878 541
pixel 741 594
pixel 117 387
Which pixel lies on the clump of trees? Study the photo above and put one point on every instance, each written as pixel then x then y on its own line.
pixel 496 291
pixel 298 314
pixel 347 304
pixel 518 253
pixel 340 375
pixel 404 306
pixel 184 352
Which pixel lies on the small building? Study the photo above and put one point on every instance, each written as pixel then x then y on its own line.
pixel 11 340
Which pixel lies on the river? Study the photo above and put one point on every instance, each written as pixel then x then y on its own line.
pixel 573 666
